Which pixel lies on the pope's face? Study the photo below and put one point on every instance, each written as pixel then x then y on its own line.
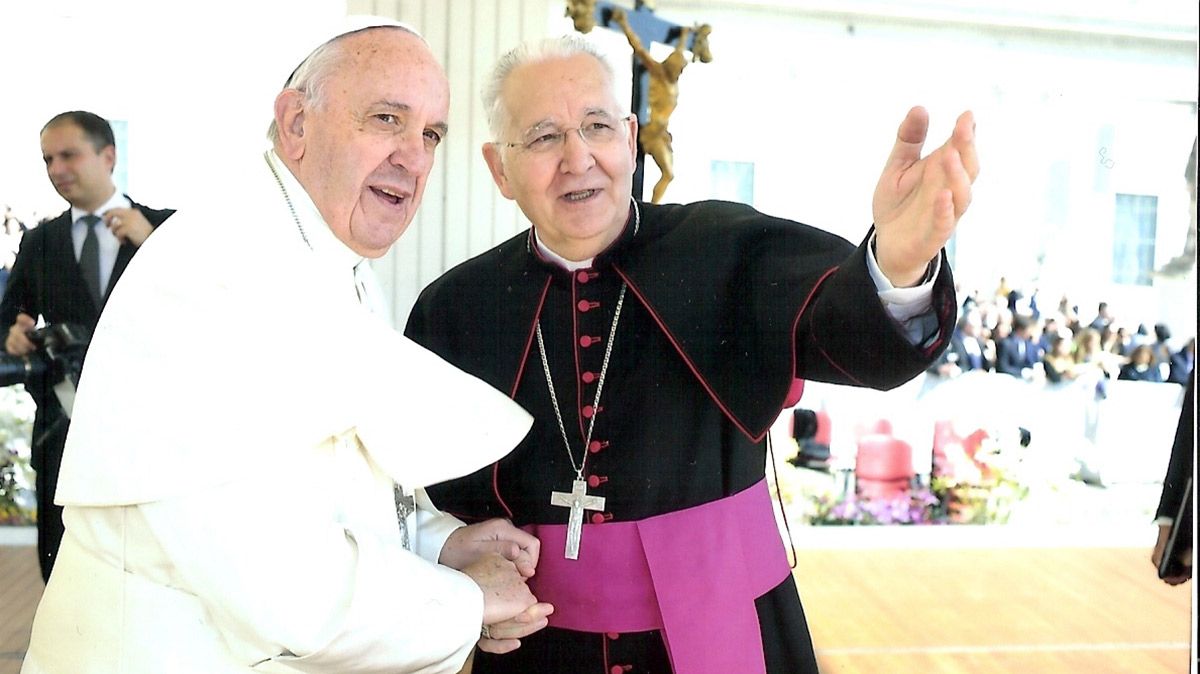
pixel 367 148
pixel 577 195
pixel 80 173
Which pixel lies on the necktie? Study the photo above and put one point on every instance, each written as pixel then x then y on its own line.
pixel 89 259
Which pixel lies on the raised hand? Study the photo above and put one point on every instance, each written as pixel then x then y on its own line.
pixel 919 200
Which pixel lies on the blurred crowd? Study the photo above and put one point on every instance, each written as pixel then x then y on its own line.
pixel 1008 332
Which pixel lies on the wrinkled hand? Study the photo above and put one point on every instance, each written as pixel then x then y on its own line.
pixel 471 543
pixel 919 200
pixel 505 636
pixel 128 225
pixel 505 593
pixel 17 343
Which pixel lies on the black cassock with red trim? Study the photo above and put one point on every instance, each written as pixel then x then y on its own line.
pixel 725 307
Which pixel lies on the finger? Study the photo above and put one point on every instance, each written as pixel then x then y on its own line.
pixel 944 217
pixel 534 549
pixel 499 646
pixel 963 140
pixel 523 624
pixel 538 611
pixel 510 629
pixel 957 179
pixel 910 137
pixel 525 565
pixel 503 529
pixel 506 549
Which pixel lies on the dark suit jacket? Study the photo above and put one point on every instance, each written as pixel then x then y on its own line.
pixel 1011 358
pixel 963 357
pixel 1183 455
pixel 46 280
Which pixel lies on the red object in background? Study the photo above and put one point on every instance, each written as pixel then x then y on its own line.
pixel 877 427
pixel 944 435
pixel 824 434
pixel 883 467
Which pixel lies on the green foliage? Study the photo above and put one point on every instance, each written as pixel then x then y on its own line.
pixel 17 502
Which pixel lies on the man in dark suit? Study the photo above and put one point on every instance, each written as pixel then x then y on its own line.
pixel 1176 486
pixel 1017 353
pixel 63 272
pixel 967 350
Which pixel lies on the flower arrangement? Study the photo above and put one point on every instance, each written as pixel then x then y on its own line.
pixel 976 479
pixel 916 507
pixel 17 501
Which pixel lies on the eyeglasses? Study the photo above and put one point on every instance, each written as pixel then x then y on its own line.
pixel 595 132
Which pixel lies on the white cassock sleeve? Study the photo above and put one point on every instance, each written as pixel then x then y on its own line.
pixel 286 576
pixel 242 424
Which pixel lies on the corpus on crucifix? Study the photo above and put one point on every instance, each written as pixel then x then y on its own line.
pixel 654 82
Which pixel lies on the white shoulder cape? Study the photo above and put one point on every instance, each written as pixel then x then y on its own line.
pixel 228 345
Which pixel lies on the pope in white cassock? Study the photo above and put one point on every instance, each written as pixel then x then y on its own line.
pixel 237 505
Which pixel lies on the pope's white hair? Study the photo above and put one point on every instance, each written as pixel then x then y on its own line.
pixel 533 52
pixel 315 71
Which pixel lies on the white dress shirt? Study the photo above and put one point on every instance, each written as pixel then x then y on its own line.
pixel 107 243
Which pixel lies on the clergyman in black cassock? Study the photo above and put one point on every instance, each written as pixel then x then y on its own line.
pixel 721 309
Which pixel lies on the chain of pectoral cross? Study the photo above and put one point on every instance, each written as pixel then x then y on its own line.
pixel 578 499
pixel 406 504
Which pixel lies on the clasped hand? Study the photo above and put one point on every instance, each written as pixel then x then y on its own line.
pixel 500 558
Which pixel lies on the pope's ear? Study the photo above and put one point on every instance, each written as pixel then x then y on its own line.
pixel 289 120
pixel 495 162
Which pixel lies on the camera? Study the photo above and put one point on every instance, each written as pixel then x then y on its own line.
pixel 58 360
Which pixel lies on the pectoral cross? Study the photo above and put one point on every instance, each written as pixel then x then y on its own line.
pixel 578 501
pixel 406 504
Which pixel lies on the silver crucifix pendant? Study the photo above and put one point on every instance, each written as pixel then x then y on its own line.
pixel 578 501
pixel 406 504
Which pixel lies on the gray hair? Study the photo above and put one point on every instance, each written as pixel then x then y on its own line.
pixel 314 72
pixel 533 52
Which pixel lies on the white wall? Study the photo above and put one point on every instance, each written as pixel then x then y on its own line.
pixel 812 92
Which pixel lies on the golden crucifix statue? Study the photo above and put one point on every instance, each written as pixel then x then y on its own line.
pixel 663 93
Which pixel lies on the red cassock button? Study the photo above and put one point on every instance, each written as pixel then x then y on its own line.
pixel 601 518
pixel 581 276
pixel 588 411
pixel 586 341
pixel 596 445
pixel 596 480
pixel 588 377
pixel 620 669
pixel 613 636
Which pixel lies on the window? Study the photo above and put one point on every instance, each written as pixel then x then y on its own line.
pixel 1133 238
pixel 121 170
pixel 733 181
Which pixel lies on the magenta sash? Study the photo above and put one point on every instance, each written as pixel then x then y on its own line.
pixel 694 574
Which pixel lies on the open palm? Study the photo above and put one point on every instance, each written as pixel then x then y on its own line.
pixel 919 200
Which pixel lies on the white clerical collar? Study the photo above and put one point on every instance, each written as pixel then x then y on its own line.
pixel 569 265
pixel 117 200
pixel 313 228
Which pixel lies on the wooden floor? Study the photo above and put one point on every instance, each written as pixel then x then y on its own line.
pixel 20 590
pixel 988 611
pixel 902 611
